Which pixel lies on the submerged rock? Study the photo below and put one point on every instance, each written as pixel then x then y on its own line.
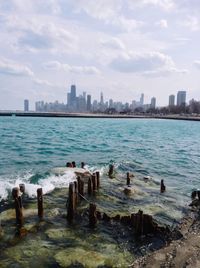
pixel 73 256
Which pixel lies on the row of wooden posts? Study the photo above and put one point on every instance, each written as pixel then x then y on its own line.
pixel 77 193
pixel 17 193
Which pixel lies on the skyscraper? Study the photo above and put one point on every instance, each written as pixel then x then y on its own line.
pixel 101 99
pixel 89 105
pixel 26 105
pixel 142 99
pixel 153 103
pixel 181 98
pixel 73 93
pixel 171 100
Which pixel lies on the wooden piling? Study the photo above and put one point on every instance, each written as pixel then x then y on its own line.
pixel 128 180
pixel 76 191
pixel 82 164
pixel 18 206
pixel 90 186
pixel 94 182
pixel 111 169
pixel 98 179
pixel 40 203
pixel 139 223
pixel 22 187
pixel 71 205
pixel 194 194
pixel 162 186
pixel 198 194
pixel 80 186
pixel 92 215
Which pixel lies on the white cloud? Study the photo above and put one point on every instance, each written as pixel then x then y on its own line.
pixel 10 67
pixel 162 24
pixel 197 64
pixel 113 43
pixel 43 82
pixel 88 70
pixel 164 4
pixel 110 12
pixel 101 10
pixel 152 63
pixel 35 34
pixel 192 23
pixel 52 65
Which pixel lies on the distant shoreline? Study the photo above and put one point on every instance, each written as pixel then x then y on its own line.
pixel 91 115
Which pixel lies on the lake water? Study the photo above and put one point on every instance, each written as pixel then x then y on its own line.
pixel 162 149
pixel 31 147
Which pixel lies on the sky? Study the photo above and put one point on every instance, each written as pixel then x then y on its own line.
pixel 120 47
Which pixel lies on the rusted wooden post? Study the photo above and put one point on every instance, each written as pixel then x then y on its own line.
pixel 128 180
pixel 92 215
pixel 94 182
pixel 73 164
pixel 71 205
pixel 90 187
pixel 18 206
pixel 80 186
pixel 111 169
pixel 139 223
pixel 40 202
pixel 98 179
pixel 194 194
pixel 22 187
pixel 76 191
pixel 198 194
pixel 162 186
pixel 82 164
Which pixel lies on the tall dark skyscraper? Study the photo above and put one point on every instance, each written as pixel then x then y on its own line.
pixel 89 104
pixel 181 98
pixel 73 93
pixel 171 100
pixel 26 105
pixel 101 99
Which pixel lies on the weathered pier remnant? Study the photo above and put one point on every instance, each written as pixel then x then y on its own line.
pixel 40 203
pixel 198 194
pixel 162 186
pixel 71 204
pixel 90 186
pixel 194 194
pixel 18 206
pixel 92 215
pixel 76 191
pixel 22 188
pixel 111 170
pixel 94 182
pixel 80 187
pixel 82 164
pixel 98 179
pixel 128 180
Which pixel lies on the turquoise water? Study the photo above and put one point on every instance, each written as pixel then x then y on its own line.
pixel 162 149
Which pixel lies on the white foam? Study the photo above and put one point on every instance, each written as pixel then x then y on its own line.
pixel 48 184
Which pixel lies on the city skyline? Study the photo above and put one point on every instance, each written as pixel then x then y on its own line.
pixel 83 102
pixel 122 48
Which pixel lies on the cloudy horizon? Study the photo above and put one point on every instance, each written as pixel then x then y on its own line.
pixel 120 47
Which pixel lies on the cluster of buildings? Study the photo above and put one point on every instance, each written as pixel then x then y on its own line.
pixel 83 103
pixel 180 100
